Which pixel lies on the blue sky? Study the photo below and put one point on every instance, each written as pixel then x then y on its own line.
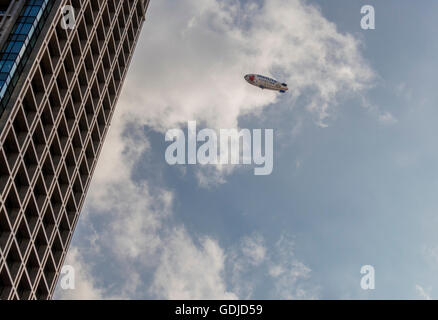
pixel 355 161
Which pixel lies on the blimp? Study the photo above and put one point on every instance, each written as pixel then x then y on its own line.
pixel 266 83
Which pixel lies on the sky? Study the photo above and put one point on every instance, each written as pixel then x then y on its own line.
pixel 355 160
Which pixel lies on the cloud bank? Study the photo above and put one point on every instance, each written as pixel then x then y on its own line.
pixel 189 65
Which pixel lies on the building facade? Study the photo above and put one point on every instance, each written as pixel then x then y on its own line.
pixel 60 78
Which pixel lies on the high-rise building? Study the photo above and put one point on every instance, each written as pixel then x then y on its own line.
pixel 60 77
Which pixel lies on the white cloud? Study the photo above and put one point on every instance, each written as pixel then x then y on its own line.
pixel 194 57
pixel 134 235
pixel 253 248
pixel 384 117
pixel 188 272
pixel 387 118
pixel 422 293
pixel 254 264
pixel 212 176
pixel 289 273
pixel 85 286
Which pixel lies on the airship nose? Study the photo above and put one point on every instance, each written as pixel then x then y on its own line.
pixel 250 78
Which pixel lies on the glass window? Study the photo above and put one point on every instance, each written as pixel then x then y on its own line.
pixel 14 53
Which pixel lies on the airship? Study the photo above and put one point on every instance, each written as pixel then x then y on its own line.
pixel 266 83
